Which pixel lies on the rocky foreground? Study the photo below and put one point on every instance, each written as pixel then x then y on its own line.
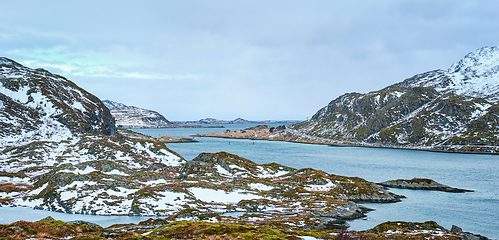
pixel 50 228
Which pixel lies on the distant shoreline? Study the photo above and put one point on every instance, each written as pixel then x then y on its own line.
pixel 185 126
pixel 291 136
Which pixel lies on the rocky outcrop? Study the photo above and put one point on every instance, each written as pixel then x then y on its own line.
pixel 421 184
pixel 153 181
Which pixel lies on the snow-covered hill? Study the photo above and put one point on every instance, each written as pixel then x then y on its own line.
pixel 134 117
pixel 437 110
pixel 57 138
pixel 476 75
pixel 38 105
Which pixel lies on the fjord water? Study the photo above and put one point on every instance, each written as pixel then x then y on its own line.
pixel 475 212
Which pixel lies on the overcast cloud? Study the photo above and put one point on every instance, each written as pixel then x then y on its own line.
pixel 251 59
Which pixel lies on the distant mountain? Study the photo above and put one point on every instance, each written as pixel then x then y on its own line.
pixel 235 121
pixel 134 117
pixel 433 110
pixel 112 105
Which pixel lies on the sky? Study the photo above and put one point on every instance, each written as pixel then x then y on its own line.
pixel 254 59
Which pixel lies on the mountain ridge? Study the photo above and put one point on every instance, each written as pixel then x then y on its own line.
pixel 475 75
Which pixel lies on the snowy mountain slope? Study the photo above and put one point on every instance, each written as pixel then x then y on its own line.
pixel 55 134
pixel 134 117
pixel 476 75
pixel 438 108
pixel 36 104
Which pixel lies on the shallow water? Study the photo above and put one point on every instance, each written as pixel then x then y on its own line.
pixel 474 211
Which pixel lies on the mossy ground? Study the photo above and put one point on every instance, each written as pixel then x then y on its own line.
pixel 163 229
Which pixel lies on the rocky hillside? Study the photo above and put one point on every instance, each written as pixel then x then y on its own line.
pixel 134 117
pixel 38 105
pixel 439 110
pixel 56 137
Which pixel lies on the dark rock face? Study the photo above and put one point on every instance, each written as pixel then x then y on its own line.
pixel 29 95
pixel 422 184
pixel 456 229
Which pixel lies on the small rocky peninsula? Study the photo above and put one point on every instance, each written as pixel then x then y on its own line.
pixel 421 184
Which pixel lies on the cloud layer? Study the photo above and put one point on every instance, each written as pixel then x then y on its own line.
pixel 251 59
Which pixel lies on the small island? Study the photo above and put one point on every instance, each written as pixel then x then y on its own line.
pixel 421 184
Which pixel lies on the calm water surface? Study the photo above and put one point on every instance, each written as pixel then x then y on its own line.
pixel 475 211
